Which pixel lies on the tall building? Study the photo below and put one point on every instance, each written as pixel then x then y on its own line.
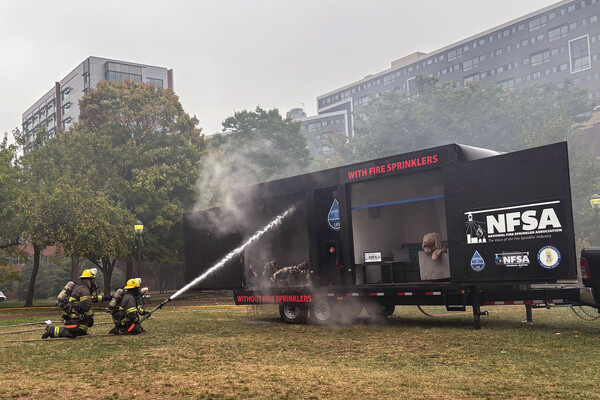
pixel 556 43
pixel 59 107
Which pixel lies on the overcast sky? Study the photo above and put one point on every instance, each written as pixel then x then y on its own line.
pixel 231 55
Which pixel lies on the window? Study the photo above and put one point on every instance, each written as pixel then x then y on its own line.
pixel 593 18
pixel 579 51
pixel 507 84
pixel 521 27
pixel 498 52
pixel 155 82
pixel 534 24
pixel 471 78
pixel 540 58
pixel 537 75
pixel 454 54
pixel 571 8
pixel 117 72
pixel 557 33
pixel 470 64
pixel 572 26
pixel 524 42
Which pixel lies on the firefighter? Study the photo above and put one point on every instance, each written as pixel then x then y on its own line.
pixel 76 307
pixel 126 314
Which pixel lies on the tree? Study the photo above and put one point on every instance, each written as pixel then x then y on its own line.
pixel 141 152
pixel 38 173
pixel 256 146
pixel 434 114
pixel 9 191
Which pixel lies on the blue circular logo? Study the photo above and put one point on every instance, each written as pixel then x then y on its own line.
pixel 549 257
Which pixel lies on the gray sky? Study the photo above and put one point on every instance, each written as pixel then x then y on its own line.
pixel 230 55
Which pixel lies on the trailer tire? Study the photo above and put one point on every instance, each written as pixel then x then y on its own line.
pixel 321 312
pixel 293 313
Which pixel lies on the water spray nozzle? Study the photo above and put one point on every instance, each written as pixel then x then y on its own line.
pixel 168 299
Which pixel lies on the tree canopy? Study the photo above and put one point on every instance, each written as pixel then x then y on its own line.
pixel 255 146
pixel 133 154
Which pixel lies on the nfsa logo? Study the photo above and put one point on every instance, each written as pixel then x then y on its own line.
pixel 526 221
pixel 512 259
pixel 514 223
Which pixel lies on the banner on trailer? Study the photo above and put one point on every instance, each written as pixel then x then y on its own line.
pixel 518 240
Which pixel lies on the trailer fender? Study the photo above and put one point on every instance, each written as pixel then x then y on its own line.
pixel 588 297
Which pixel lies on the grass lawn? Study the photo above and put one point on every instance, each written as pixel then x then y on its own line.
pixel 227 352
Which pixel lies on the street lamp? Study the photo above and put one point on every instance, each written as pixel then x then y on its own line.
pixel 595 203
pixel 139 228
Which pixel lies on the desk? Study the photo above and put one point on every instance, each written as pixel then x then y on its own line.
pixel 387 272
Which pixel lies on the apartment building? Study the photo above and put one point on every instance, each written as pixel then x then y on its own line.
pixel 556 43
pixel 58 109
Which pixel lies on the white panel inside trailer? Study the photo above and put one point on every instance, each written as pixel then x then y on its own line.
pixel 393 213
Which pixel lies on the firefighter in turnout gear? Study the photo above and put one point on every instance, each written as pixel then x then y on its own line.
pixel 126 313
pixel 75 302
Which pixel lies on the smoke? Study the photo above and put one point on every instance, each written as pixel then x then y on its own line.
pixel 240 160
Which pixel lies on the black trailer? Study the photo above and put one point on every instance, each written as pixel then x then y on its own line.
pixel 355 238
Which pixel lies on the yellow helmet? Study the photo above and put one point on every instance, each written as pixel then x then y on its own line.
pixel 133 283
pixel 89 273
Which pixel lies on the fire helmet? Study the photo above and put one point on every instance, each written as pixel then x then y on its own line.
pixel 133 283
pixel 89 273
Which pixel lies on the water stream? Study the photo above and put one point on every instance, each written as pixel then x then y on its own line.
pixel 276 221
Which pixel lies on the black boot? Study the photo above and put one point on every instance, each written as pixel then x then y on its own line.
pixel 48 332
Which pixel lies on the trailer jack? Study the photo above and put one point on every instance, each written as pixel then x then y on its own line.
pixel 477 313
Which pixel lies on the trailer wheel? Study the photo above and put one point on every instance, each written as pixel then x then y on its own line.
pixel 293 313
pixel 321 312
pixel 380 310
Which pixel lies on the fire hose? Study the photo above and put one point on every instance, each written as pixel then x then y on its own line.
pixel 158 307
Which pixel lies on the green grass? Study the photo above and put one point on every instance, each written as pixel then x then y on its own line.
pixel 225 352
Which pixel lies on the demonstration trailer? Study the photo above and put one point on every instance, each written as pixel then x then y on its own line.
pixel 355 238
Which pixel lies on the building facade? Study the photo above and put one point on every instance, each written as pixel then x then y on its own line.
pixel 557 43
pixel 58 109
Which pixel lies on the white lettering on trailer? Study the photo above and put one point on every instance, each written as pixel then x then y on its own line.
pixel 526 220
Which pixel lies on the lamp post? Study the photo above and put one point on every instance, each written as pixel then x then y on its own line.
pixel 139 228
pixel 595 203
